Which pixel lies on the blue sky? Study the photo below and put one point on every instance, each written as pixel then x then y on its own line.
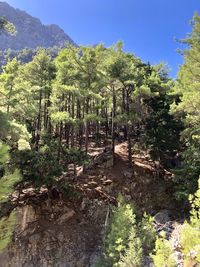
pixel 147 27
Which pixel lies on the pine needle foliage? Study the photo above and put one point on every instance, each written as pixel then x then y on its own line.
pixel 123 244
pixel 7 225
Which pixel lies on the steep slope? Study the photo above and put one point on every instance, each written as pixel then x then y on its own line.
pixel 67 230
pixel 31 33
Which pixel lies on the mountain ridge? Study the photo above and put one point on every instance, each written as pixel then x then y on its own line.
pixel 31 33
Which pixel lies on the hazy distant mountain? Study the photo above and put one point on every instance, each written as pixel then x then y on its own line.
pixel 31 33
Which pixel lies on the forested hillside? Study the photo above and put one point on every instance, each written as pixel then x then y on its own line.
pixel 99 158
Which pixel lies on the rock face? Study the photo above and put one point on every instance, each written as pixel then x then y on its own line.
pixel 31 33
pixel 57 235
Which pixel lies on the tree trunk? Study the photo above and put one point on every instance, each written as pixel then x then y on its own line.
pixel 39 121
pixel 124 111
pixel 9 97
pixel 113 117
pixel 72 126
pixel 129 147
pixel 128 129
pixel 86 127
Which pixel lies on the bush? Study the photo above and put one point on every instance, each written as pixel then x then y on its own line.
pixel 195 207
pixel 39 167
pixel 7 225
pixel 133 255
pixel 7 184
pixel 147 233
pixel 122 243
pixel 8 178
pixel 190 242
pixel 163 255
pixel 190 234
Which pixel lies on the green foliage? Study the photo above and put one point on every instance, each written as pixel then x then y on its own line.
pixel 23 144
pixel 13 132
pixel 147 233
pixel 186 177
pixel 163 255
pixel 190 242
pixel 122 237
pixel 7 26
pixel 190 233
pixel 127 241
pixel 7 184
pixel 66 188
pixel 195 208
pixel 40 167
pixel 187 109
pixel 92 117
pixel 18 133
pixel 133 256
pixel 4 155
pixel 76 156
pixel 7 225
pixel 5 125
pixel 8 179
pixel 161 124
pixel 122 222
pixel 43 166
pixel 60 116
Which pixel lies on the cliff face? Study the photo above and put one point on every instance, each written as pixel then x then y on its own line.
pixel 31 33
pixel 58 235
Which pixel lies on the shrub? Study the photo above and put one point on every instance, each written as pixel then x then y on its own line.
pixel 133 255
pixel 38 167
pixel 123 244
pixel 7 183
pixel 190 234
pixel 147 233
pixel 7 225
pixel 163 255
pixel 190 242
pixel 195 207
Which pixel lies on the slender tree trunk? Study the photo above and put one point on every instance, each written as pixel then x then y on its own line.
pixel 48 122
pixel 124 110
pixel 129 147
pixel 72 127
pixel 46 111
pixel 80 134
pixel 60 140
pixel 39 121
pixel 86 127
pixel 128 129
pixel 113 118
pixel 106 123
pixel 97 127
pixel 9 97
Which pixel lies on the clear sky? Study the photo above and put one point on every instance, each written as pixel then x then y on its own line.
pixel 147 27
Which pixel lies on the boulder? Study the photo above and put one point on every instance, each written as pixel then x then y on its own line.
pixel 162 217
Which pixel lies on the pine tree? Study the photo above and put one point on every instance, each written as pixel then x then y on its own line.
pixel 123 244
pixel 187 87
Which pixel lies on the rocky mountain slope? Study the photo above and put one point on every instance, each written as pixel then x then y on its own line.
pixel 68 229
pixel 31 33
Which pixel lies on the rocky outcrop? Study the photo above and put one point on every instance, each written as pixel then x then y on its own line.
pixel 31 33
pixel 57 235
pixel 103 160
